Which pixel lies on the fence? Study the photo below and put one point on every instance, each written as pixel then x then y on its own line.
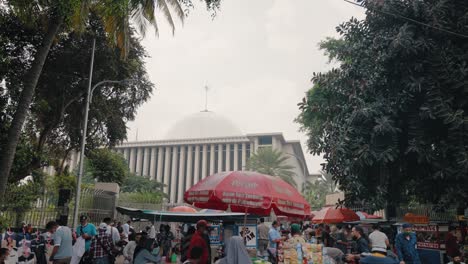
pixel 97 204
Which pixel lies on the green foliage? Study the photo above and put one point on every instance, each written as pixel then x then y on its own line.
pixel 20 198
pixel 108 166
pixel 134 183
pixel 315 193
pixel 272 162
pixel 141 197
pixel 391 121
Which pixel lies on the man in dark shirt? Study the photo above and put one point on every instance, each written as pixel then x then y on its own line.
pixel 451 243
pixel 362 245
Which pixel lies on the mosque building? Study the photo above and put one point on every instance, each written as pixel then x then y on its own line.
pixel 200 145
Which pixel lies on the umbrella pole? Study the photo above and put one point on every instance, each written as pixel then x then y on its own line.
pixel 245 225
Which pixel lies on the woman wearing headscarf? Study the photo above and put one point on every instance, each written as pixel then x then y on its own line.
pixel 236 252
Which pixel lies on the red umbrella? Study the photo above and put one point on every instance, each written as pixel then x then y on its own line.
pixel 183 209
pixel 250 192
pixel 330 215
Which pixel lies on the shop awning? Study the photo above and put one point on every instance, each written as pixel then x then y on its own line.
pixel 165 216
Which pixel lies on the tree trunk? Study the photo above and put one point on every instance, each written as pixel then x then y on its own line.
pixel 30 81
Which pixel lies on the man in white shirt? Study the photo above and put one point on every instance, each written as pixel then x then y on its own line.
pixel 152 232
pixel 126 228
pixel 378 239
pixel 111 230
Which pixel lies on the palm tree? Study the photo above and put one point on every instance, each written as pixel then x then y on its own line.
pixel 272 162
pixel 66 16
pixel 327 179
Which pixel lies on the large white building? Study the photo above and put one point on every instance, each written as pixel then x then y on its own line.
pixel 200 145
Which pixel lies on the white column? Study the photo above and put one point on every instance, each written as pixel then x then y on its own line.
pixel 188 175
pixel 212 159
pixel 228 157
pixel 197 164
pixel 127 155
pixel 220 157
pixel 131 161
pixel 173 175
pixel 204 162
pixel 139 161
pixel 236 157
pixel 180 183
pixel 255 146
pixel 244 156
pixel 159 174
pixel 167 168
pixel 146 160
pixel 152 172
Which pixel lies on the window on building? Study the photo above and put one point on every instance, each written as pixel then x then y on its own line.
pixel 223 168
pixel 231 156
pixel 239 155
pixel 265 140
pixel 216 159
pixel 200 164
pixel 208 159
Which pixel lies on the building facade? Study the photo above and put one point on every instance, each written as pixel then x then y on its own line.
pixel 201 145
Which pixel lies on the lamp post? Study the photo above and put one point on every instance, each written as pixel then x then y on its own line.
pixel 89 97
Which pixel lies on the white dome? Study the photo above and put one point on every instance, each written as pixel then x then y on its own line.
pixel 203 124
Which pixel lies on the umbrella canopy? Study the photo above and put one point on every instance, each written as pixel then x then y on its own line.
pixel 364 215
pixel 182 209
pixel 330 215
pixel 251 192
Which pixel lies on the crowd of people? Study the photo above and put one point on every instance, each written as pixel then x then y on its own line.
pixel 348 244
pixel 114 242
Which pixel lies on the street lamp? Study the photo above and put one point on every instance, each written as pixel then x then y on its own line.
pixel 89 98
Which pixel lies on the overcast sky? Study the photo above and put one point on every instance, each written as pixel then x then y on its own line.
pixel 257 57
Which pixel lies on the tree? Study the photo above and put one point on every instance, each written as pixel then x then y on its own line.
pixel 65 16
pixel 391 119
pixel 108 166
pixel 327 180
pixel 53 127
pixel 315 193
pixel 272 162
pixel 134 183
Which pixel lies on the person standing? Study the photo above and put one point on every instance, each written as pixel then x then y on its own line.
pixel 361 246
pixel 378 239
pixel 199 241
pixel 236 252
pixel 129 249
pixel 152 231
pixel 185 245
pixel 87 231
pixel 456 260
pixel 62 236
pixel 451 244
pixel 341 241
pixel 262 237
pixel 111 230
pixel 126 228
pixel 195 255
pixel 101 246
pixel 4 253
pixel 274 236
pixel 405 244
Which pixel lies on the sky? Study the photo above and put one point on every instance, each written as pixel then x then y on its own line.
pixel 256 56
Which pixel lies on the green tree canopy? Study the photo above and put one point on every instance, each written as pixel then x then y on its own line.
pixel 391 120
pixel 134 183
pixel 272 162
pixel 106 165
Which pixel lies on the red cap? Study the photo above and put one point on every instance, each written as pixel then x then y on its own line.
pixel 201 223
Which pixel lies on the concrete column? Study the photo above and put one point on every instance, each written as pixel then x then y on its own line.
pixel 139 161
pixel 189 173
pixel 204 163
pixel 180 182
pixel 220 157
pixel 146 160
pixel 244 156
pixel 196 173
pixel 228 157
pixel 236 157
pixel 126 154
pixel 152 172
pixel 212 159
pixel 173 175
pixel 131 162
pixel 159 174
pixel 167 168
pixel 255 146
